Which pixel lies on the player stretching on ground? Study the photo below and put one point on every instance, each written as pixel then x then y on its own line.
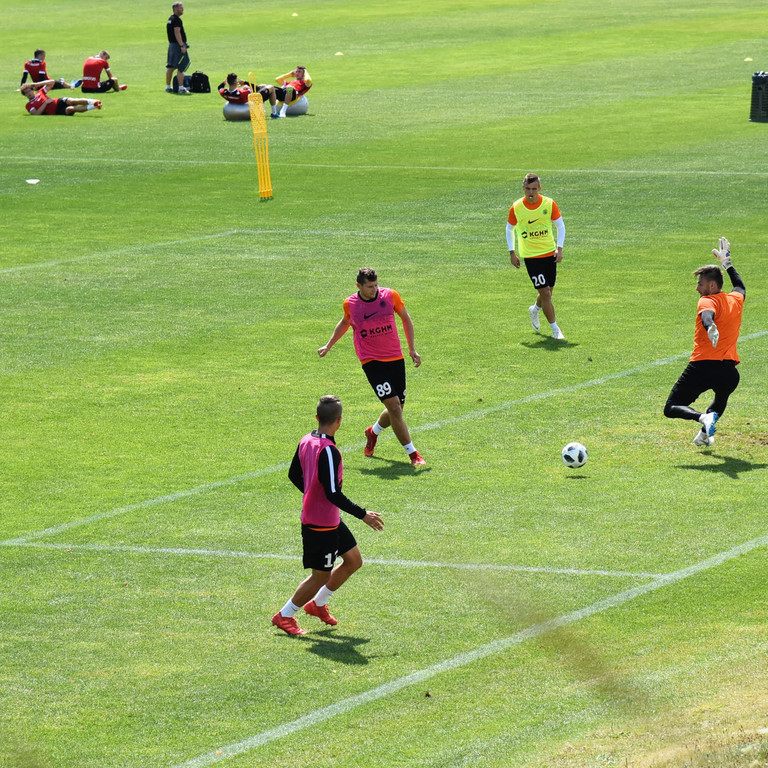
pixel 316 471
pixel 371 314
pixel 531 219
pixel 714 359
pixel 40 103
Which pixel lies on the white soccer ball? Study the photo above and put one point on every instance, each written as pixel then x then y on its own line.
pixel 575 455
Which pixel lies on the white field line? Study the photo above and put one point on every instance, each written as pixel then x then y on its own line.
pixel 463 659
pixel 367 167
pixel 123 251
pixel 471 415
pixel 319 233
pixel 224 553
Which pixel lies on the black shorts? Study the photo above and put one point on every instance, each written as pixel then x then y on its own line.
pixel 543 271
pixel 61 106
pixel 58 84
pixel 104 86
pixel 280 92
pixel 387 377
pixel 176 59
pixel 321 548
pixel 264 93
pixel 721 376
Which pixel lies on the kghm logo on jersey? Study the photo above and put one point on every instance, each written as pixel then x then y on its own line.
pixel 536 233
pixel 378 331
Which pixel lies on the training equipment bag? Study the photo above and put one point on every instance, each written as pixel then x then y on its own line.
pixel 200 83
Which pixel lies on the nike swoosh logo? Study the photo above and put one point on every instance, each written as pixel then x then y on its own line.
pixel 530 221
pixel 365 317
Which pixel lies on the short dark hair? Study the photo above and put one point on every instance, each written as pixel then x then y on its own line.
pixel 38 51
pixel 328 409
pixel 300 67
pixel 367 275
pixel 530 178
pixel 232 78
pixel 711 272
pixel 175 6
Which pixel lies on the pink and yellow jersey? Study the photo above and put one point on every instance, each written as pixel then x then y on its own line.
pixel 316 510
pixel 533 226
pixel 727 308
pixel 92 69
pixel 374 326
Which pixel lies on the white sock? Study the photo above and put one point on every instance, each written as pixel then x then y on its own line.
pixel 536 307
pixel 409 449
pixel 377 428
pixel 323 596
pixel 289 610
pixel 284 110
pixel 554 327
pixel 274 109
pixel 91 106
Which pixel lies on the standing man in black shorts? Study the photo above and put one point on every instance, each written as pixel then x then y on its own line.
pixel 531 219
pixel 316 470
pixel 178 51
pixel 371 314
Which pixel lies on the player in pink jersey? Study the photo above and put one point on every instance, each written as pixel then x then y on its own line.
pixel 316 470
pixel 371 314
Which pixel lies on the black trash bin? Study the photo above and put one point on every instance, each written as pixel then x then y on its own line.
pixel 759 111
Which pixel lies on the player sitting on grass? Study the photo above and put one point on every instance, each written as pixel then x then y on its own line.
pixel 36 70
pixel 40 103
pixel 92 69
pixel 237 91
pixel 292 86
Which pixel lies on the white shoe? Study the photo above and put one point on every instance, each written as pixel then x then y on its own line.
pixel 702 440
pixel 534 313
pixel 183 91
pixel 708 422
pixel 558 334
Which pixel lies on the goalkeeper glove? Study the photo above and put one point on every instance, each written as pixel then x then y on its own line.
pixel 723 253
pixel 714 334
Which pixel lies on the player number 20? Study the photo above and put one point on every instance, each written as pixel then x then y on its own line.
pixel 538 281
pixel 384 389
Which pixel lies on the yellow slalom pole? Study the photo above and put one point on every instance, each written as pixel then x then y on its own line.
pixel 260 143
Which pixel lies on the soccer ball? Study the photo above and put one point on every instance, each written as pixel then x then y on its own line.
pixel 575 455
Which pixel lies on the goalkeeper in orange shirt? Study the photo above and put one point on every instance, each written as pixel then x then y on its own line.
pixel 714 359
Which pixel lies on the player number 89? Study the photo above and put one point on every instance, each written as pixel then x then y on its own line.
pixel 383 389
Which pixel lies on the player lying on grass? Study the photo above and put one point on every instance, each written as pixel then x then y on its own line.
pixel 40 103
pixel 714 359
pixel 237 91
pixel 316 470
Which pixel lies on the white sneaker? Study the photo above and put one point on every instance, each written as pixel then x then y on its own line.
pixel 183 91
pixel 708 422
pixel 534 313
pixel 168 89
pixel 558 334
pixel 702 440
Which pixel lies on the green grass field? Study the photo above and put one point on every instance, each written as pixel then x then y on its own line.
pixel 158 366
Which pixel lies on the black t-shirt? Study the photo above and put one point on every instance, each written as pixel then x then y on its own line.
pixel 175 21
